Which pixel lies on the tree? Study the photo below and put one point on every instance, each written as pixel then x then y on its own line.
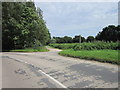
pixel 65 39
pixel 10 24
pixel 90 39
pixel 53 40
pixel 76 39
pixel 110 33
pixel 22 27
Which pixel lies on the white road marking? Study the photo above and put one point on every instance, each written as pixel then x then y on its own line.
pixel 22 53
pixel 53 79
pixel 60 84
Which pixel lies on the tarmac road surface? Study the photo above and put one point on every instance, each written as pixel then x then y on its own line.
pixel 50 70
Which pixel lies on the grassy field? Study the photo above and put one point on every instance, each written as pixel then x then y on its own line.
pixel 110 56
pixel 99 51
pixel 40 49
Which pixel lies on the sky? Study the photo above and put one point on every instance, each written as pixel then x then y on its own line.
pixel 78 18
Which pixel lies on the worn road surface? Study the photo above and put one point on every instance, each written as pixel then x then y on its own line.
pixel 50 70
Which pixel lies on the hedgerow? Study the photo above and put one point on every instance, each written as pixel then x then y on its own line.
pixel 88 45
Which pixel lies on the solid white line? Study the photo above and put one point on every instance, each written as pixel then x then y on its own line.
pixel 43 73
pixel 53 79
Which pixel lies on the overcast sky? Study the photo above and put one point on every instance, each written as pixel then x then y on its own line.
pixel 78 18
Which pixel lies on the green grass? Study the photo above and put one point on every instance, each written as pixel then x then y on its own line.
pixel 40 49
pixel 110 56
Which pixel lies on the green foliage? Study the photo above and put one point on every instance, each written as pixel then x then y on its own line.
pixel 88 46
pixel 22 26
pixel 67 39
pixel 38 49
pixel 90 39
pixel 97 46
pixel 110 56
pixel 64 39
pixel 63 46
pixel 78 39
pixel 110 33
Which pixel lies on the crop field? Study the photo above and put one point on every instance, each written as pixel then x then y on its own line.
pixel 88 46
pixel 98 51
pixel 64 45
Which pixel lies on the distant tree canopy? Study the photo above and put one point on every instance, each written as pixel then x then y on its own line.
pixel 67 39
pixel 64 39
pixel 110 33
pixel 78 39
pixel 23 26
pixel 90 39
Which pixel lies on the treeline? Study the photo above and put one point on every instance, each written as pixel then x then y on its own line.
pixel 109 33
pixel 23 26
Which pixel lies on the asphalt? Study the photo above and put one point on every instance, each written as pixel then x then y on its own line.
pixel 50 70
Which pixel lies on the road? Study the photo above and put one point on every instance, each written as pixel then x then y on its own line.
pixel 50 70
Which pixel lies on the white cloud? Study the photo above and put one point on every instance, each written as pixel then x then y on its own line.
pixel 74 17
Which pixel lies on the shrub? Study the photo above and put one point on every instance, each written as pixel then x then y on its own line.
pixel 98 45
pixel 63 46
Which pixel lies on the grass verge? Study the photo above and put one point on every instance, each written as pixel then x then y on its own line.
pixel 109 56
pixel 40 49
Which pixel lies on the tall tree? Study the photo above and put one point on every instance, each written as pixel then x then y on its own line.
pixel 90 39
pixel 22 26
pixel 110 33
pixel 78 39
pixel 65 39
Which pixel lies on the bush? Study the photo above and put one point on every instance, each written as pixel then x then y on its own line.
pixel 63 46
pixel 97 46
pixel 88 46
